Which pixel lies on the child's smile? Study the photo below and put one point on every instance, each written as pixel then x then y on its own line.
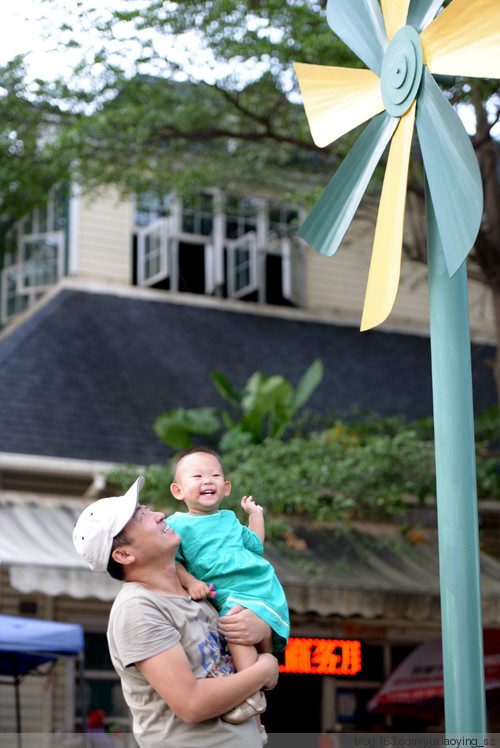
pixel 200 483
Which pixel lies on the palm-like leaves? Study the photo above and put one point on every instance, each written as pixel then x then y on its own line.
pixel 397 91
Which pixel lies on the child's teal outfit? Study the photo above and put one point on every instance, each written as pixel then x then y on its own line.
pixel 219 550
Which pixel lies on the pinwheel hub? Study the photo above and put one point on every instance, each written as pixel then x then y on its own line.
pixel 402 69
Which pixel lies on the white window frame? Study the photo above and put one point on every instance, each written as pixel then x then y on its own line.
pixel 56 239
pixel 7 273
pixel 15 271
pixel 249 249
pixel 158 233
pixel 27 294
pixel 245 243
pixel 292 272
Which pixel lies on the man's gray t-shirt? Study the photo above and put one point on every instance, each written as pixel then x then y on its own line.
pixel 142 624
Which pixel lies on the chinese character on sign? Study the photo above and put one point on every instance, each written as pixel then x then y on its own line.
pixel 322 656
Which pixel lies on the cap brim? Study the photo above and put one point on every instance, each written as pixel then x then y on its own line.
pixel 128 505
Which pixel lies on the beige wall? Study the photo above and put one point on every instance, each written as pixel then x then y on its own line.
pixel 336 285
pixel 104 238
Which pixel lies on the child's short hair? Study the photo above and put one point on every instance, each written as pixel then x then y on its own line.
pixel 193 451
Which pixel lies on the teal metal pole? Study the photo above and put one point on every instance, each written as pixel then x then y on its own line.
pixel 459 570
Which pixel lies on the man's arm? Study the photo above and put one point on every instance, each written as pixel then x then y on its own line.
pixel 197 699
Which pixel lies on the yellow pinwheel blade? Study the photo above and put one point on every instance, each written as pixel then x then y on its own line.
pixel 385 266
pixel 395 13
pixel 337 99
pixel 464 40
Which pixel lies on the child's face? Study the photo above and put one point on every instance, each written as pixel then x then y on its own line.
pixel 199 481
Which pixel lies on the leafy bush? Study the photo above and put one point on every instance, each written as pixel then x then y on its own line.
pixel 265 407
pixel 364 467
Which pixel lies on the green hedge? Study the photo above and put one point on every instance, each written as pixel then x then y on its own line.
pixel 363 467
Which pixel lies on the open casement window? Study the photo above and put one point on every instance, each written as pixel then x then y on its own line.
pixel 41 261
pixel 152 253
pixel 12 302
pixel 39 265
pixel 35 256
pixel 241 265
pixel 292 267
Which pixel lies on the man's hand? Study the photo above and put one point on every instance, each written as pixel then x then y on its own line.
pixel 243 626
pixel 273 670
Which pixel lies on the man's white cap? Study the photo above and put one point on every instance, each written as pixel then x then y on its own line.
pixel 98 524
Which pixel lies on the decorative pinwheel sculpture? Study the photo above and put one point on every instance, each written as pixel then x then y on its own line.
pixel 403 45
pixel 463 40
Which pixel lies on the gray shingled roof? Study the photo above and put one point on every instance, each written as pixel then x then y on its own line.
pixel 86 375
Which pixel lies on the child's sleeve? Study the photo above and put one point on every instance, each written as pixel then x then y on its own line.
pixel 251 541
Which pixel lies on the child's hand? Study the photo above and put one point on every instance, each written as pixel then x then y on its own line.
pixel 250 506
pixel 198 589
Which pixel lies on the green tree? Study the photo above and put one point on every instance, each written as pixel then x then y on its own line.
pixel 184 95
pixel 31 160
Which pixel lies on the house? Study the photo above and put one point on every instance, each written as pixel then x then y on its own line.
pixel 115 311
pixel 218 245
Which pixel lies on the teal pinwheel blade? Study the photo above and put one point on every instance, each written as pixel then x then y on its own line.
pixel 421 12
pixel 326 224
pixel 452 172
pixel 360 24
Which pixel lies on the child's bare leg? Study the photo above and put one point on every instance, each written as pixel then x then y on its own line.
pixel 243 657
pixel 266 645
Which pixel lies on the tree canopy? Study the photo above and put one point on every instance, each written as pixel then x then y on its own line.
pixel 185 95
pixel 31 159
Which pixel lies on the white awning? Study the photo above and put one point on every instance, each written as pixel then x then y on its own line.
pixel 36 544
pixel 357 571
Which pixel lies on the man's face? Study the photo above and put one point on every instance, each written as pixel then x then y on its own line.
pixel 149 535
pixel 199 481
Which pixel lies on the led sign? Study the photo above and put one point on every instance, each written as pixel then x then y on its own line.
pixel 322 656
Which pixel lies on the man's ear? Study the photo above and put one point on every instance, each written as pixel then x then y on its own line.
pixel 122 556
pixel 176 491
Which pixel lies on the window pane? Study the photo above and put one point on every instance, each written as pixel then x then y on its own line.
pixel 282 221
pixel 152 254
pixel 43 223
pixel 60 208
pixel 197 215
pixel 27 224
pixel 15 303
pixel 40 263
pixel 242 269
pixel 241 216
pixel 149 207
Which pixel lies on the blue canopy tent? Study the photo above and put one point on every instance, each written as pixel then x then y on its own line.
pixel 28 643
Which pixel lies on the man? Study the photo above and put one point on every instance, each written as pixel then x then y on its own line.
pixel 166 647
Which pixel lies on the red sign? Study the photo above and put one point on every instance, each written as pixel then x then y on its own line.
pixel 322 656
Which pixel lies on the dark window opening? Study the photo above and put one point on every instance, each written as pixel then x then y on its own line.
pixel 192 268
pixel 274 282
